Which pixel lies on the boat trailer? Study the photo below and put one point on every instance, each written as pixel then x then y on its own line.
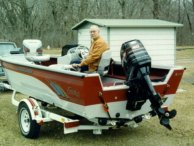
pixel 32 114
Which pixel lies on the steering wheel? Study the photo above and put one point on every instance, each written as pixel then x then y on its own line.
pixel 83 51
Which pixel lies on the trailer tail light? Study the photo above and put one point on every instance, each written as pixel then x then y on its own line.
pixel 71 124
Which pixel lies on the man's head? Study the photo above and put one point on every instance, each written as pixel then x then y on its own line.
pixel 94 31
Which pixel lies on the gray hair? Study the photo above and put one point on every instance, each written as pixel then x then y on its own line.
pixel 95 27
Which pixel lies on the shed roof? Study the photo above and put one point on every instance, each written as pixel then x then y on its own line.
pixel 127 23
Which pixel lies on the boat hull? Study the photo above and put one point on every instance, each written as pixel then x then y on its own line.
pixel 82 93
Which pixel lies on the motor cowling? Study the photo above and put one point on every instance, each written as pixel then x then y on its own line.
pixel 134 56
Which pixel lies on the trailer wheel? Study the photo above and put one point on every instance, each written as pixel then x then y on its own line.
pixel 28 127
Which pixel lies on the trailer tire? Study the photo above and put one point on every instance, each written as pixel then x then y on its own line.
pixel 28 127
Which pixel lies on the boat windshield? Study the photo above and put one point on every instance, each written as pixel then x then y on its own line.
pixel 6 48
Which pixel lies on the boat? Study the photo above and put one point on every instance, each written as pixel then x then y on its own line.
pixel 121 94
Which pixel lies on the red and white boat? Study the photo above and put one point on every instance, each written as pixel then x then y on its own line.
pixel 125 96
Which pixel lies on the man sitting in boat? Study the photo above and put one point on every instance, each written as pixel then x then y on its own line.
pixel 98 46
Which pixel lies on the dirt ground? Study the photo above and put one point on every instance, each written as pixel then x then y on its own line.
pixel 148 133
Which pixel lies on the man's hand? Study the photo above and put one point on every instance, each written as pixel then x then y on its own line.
pixel 76 65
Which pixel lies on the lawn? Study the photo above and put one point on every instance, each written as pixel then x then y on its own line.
pixel 149 133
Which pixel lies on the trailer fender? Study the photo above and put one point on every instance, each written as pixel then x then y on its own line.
pixel 34 108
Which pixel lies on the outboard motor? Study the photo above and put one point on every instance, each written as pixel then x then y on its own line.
pixel 137 63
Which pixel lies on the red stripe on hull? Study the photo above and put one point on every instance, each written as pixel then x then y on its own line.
pixel 85 91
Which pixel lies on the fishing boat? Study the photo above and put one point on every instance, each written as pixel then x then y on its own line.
pixel 118 94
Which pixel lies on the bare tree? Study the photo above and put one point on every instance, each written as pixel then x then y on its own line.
pixel 187 15
pixel 51 20
pixel 155 9
pixel 122 5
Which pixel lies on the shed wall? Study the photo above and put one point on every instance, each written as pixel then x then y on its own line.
pixel 159 42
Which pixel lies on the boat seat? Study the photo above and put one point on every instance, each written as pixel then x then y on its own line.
pixel 33 51
pixel 103 66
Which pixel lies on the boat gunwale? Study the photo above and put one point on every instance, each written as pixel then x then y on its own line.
pixel 7 59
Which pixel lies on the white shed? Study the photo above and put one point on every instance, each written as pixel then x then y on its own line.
pixel 157 36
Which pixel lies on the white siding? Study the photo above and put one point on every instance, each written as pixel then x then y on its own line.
pixel 159 42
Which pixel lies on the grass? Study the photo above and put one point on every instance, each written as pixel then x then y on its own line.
pixel 54 51
pixel 149 133
pixel 185 54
